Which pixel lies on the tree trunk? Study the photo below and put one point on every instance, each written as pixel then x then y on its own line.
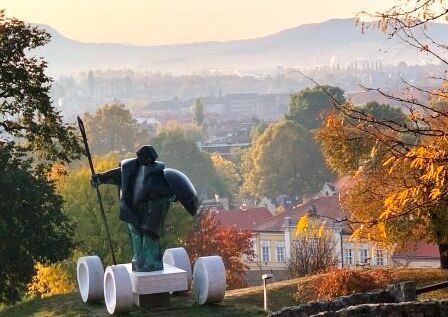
pixel 443 249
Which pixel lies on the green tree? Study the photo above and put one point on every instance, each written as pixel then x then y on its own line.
pixel 284 159
pixel 81 206
pixel 32 226
pixel 198 112
pixel 183 154
pixel 112 128
pixel 32 137
pixel 229 174
pixel 308 106
pixel 27 116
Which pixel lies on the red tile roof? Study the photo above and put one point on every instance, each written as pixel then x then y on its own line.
pixel 243 219
pixel 420 250
pixel 325 206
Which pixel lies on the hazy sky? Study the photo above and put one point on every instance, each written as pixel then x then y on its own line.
pixel 179 21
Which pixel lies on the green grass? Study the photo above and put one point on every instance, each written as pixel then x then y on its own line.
pixel 180 305
pixel 241 302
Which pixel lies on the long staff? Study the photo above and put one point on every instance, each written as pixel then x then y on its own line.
pixel 100 201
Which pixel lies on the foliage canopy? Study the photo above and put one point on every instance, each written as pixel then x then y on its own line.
pixel 112 128
pixel 32 226
pixel 284 159
pixel 28 119
pixel 308 106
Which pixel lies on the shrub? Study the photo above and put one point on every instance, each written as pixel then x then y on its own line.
pixel 339 282
pixel 50 280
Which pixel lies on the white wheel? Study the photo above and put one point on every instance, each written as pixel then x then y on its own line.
pixel 178 257
pixel 90 275
pixel 209 280
pixel 117 289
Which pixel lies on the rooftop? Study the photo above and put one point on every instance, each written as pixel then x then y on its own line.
pixel 243 219
pixel 325 206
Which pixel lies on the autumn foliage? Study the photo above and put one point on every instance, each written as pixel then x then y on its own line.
pixel 50 280
pixel 340 282
pixel 210 238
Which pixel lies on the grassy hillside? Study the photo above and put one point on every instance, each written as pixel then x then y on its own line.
pixel 242 302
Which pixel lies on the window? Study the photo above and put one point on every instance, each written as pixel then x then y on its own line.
pixel 265 245
pixel 363 255
pixel 265 253
pixel 348 257
pixel 280 249
pixel 379 257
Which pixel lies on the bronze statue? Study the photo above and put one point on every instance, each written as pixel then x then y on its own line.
pixel 147 189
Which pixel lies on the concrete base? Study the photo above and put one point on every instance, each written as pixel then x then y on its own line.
pixel 178 257
pixel 170 279
pixel 152 300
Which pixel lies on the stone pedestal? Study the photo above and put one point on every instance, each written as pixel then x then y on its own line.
pixel 170 279
pixel 178 257
pixel 123 287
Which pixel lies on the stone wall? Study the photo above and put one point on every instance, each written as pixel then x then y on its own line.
pixel 369 304
pixel 427 308
pixel 313 308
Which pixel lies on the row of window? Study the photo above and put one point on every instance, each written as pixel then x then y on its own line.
pixel 265 252
pixel 363 256
pixel 348 254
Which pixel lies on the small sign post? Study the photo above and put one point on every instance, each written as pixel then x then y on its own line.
pixel 266 277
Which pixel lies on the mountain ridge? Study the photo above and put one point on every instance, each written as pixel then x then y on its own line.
pixel 301 46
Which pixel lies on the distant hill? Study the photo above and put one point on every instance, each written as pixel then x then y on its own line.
pixel 309 44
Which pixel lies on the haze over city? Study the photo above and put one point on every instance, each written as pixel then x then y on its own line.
pixel 156 22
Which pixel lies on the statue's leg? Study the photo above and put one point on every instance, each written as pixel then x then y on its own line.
pixel 137 243
pixel 151 254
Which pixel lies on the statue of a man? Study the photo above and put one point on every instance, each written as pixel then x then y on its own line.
pixel 146 190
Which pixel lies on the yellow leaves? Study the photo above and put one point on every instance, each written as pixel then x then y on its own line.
pixel 389 161
pixel 357 234
pixel 302 225
pixel 50 280
pixel 417 162
pixel 306 227
pixel 438 172
pixel 374 150
pixel 377 232
pixel 56 172
pixel 382 230
pixel 435 193
pixel 321 231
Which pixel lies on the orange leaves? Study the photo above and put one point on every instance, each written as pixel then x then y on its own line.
pixel 345 281
pixel 210 238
